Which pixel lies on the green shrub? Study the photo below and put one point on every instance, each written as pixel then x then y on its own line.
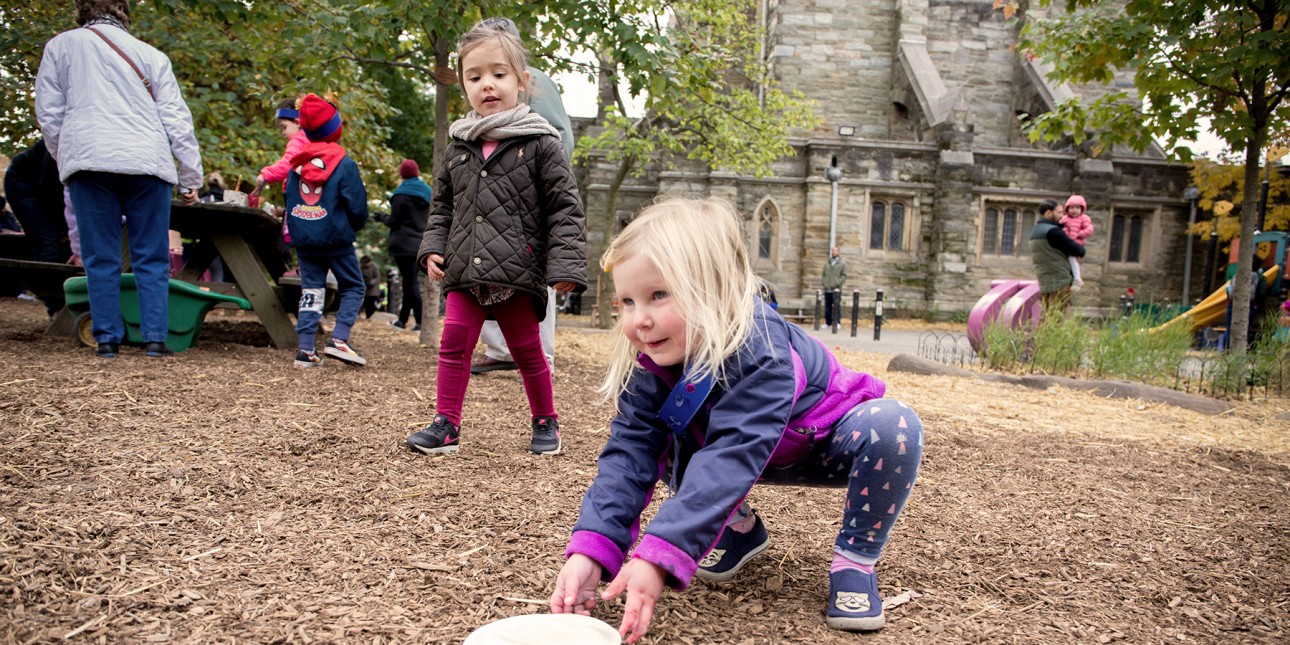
pixel 1128 348
pixel 1060 344
pixel 1002 348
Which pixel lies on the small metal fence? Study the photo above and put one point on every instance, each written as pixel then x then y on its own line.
pixel 1248 376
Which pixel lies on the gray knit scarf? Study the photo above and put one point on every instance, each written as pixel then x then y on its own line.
pixel 515 122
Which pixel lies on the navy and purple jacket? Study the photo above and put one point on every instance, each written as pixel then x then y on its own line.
pixel 783 394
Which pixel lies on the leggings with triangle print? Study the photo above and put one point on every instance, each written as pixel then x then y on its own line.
pixel 875 451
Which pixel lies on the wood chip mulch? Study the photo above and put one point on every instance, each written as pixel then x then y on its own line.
pixel 222 495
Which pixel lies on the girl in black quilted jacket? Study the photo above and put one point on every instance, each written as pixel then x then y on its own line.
pixel 505 223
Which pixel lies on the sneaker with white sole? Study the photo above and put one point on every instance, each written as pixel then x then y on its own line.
pixel 305 359
pixel 440 437
pixel 732 552
pixel 854 603
pixel 546 436
pixel 341 351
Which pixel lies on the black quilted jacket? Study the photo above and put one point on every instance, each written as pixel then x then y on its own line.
pixel 514 219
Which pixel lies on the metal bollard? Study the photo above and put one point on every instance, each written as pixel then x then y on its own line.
pixel 817 310
pixel 877 317
pixel 837 309
pixel 855 312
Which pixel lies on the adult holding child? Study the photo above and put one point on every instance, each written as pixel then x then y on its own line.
pixel 115 122
pixel 543 98
pixel 1051 251
pixel 506 223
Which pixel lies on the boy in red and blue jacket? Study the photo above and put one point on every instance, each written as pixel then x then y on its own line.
pixel 326 205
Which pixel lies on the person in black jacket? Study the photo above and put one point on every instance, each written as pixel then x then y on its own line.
pixel 506 223
pixel 36 196
pixel 409 212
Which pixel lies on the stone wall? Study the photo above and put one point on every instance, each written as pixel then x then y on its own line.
pixel 945 169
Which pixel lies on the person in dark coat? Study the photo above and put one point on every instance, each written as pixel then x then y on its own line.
pixel 409 213
pixel 371 278
pixel 35 194
pixel 506 223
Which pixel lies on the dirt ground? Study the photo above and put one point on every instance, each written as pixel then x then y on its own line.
pixel 223 496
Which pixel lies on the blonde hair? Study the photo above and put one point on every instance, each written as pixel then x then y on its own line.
pixel 481 34
pixel 698 249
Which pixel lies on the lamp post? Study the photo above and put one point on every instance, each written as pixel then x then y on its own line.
pixel 1191 193
pixel 834 174
pixel 1213 255
pixel 1263 194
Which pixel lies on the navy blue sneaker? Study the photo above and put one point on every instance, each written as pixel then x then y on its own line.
pixel 107 350
pixel 732 551
pixel 854 604
pixel 440 437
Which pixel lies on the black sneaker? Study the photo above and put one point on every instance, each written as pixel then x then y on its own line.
pixel 440 437
pixel 486 364
pixel 546 436
pixel 732 551
pixel 398 323
pixel 156 350
pixel 107 350
pixel 307 359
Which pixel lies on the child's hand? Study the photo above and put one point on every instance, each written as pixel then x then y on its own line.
pixel 259 186
pixel 575 587
pixel 564 287
pixel 643 582
pixel 433 262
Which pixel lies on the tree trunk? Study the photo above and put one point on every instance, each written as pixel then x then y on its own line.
pixel 1241 293
pixel 609 228
pixel 430 288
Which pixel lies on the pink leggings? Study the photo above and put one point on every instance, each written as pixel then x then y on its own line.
pixel 463 318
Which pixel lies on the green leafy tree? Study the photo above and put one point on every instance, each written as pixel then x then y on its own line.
pixel 1220 60
pixel 234 62
pixel 707 98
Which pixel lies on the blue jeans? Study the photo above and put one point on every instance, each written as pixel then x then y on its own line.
pixel 100 200
pixel 313 291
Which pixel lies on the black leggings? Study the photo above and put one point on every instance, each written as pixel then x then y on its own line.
pixel 409 276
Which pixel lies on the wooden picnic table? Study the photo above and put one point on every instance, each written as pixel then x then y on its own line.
pixel 246 239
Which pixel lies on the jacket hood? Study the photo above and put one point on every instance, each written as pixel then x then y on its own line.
pixel 413 187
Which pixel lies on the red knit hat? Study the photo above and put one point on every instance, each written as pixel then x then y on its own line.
pixel 319 119
pixel 409 169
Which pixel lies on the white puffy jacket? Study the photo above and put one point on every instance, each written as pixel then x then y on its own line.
pixel 96 114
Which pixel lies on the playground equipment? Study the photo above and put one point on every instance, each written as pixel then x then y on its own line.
pixel 187 310
pixel 1272 247
pixel 1213 309
pixel 1009 303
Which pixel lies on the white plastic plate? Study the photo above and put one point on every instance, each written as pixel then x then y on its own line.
pixel 545 629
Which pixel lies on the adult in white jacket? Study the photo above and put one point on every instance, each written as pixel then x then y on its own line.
pixel 116 139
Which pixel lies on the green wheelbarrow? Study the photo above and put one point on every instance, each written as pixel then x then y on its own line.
pixel 188 306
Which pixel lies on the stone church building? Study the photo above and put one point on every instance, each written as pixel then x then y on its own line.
pixel 922 102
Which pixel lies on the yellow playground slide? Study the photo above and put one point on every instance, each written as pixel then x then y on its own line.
pixel 1213 308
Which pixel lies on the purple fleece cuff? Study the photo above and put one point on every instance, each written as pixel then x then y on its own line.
pixel 679 566
pixel 598 548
